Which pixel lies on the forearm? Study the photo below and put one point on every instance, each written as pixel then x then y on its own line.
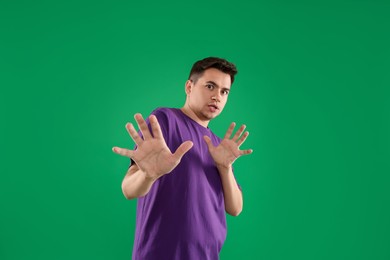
pixel 232 194
pixel 136 184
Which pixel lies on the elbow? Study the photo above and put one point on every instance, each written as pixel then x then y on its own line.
pixel 234 209
pixel 126 193
pixel 234 212
pixel 128 197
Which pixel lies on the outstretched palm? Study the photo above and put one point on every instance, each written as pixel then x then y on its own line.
pixel 229 149
pixel 152 155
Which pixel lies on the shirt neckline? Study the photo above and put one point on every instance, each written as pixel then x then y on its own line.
pixel 192 120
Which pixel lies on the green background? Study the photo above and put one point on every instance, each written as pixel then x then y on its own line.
pixel 313 89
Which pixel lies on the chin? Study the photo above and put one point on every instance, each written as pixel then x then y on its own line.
pixel 209 115
pixel 212 116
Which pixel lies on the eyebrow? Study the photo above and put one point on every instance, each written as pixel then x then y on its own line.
pixel 212 82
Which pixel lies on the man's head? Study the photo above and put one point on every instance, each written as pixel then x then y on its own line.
pixel 207 88
pixel 212 62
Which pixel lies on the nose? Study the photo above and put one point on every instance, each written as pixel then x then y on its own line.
pixel 215 98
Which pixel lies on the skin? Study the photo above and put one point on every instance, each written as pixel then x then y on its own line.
pixel 206 97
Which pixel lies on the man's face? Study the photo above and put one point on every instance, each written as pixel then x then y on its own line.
pixel 208 95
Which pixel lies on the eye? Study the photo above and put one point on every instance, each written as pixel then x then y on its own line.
pixel 225 92
pixel 210 86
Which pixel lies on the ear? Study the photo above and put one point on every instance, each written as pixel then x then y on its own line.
pixel 188 86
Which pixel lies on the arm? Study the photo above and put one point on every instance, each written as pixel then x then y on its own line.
pixel 224 156
pixel 232 194
pixel 152 158
pixel 136 183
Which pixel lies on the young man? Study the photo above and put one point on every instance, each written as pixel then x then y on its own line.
pixel 183 196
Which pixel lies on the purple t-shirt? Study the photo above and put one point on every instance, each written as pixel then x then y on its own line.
pixel 183 215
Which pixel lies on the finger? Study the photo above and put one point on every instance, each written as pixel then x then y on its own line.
pixel 133 134
pixel 123 152
pixel 230 130
pixel 242 139
pixel 156 129
pixel 208 142
pixel 246 152
pixel 182 149
pixel 238 133
pixel 142 126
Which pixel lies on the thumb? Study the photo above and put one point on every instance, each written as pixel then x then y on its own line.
pixel 182 149
pixel 123 152
pixel 208 142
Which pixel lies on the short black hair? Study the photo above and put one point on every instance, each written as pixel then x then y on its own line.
pixel 212 62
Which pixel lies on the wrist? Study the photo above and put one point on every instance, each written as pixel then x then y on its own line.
pixel 149 178
pixel 224 168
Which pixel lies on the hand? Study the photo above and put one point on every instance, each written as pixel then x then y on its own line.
pixel 152 155
pixel 228 150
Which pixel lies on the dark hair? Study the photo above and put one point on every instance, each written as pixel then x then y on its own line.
pixel 212 62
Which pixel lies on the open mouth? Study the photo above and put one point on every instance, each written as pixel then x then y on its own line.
pixel 213 107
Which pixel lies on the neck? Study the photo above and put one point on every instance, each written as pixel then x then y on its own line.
pixel 186 109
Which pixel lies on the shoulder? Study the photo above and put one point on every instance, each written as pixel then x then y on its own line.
pixel 165 116
pixel 163 111
pixel 168 120
pixel 166 113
